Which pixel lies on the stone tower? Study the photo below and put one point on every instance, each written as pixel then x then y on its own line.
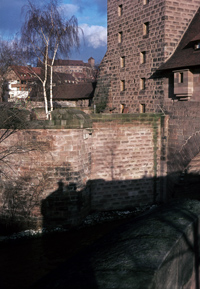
pixel 142 35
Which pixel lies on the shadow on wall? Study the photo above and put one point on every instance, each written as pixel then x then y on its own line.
pixel 65 207
pixel 157 250
pixel 25 207
pixel 68 206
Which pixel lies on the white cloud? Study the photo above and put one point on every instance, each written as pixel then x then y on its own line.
pixel 95 36
pixel 69 9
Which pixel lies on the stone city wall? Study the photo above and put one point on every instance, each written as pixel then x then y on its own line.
pixel 58 171
pixel 126 161
pixel 183 142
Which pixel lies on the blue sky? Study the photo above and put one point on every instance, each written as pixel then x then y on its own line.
pixel 91 15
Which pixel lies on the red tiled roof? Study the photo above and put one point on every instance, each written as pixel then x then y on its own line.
pixel 82 76
pixel 79 75
pixel 185 55
pixel 26 72
pixel 74 91
pixel 63 77
pixel 61 62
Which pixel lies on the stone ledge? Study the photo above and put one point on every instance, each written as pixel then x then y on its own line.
pixel 64 118
pixel 142 117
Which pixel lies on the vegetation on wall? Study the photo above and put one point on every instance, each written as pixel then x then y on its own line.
pixel 101 105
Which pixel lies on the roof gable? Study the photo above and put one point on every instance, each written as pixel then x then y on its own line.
pixel 185 55
pixel 25 72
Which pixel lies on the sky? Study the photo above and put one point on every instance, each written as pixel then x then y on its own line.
pixel 91 15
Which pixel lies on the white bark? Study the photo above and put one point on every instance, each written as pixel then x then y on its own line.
pixel 44 83
pixel 51 78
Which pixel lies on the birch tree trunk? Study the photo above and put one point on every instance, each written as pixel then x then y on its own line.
pixel 51 78
pixel 51 88
pixel 44 83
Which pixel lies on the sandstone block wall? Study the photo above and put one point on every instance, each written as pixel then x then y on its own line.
pixel 127 167
pixel 56 172
pixel 166 23
pixel 47 171
pixel 183 141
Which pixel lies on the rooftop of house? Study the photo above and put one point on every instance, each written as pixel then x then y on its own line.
pixel 74 91
pixel 62 77
pixel 68 62
pixel 82 76
pixel 25 72
pixel 187 54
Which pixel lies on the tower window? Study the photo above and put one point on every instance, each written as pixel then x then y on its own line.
pixel 120 10
pixel 146 28
pixel 180 77
pixel 122 85
pixel 122 61
pixel 142 57
pixel 122 107
pixel 142 108
pixel 145 2
pixel 142 83
pixel 120 37
pixel 197 46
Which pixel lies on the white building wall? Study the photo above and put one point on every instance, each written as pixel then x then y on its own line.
pixel 14 92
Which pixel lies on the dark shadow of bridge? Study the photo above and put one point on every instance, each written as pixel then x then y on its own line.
pixel 136 252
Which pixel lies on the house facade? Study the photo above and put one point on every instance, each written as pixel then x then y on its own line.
pixel 136 74
pixel 20 80
pixel 80 70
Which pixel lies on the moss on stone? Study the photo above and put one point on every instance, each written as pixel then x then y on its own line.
pixel 126 117
pixel 70 118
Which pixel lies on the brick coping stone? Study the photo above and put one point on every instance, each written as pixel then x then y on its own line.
pixel 156 250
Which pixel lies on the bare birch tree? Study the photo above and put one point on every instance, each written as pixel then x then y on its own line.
pixel 47 31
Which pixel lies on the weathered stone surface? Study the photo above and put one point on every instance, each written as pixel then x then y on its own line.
pixel 113 162
pixel 71 118
pixel 167 22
